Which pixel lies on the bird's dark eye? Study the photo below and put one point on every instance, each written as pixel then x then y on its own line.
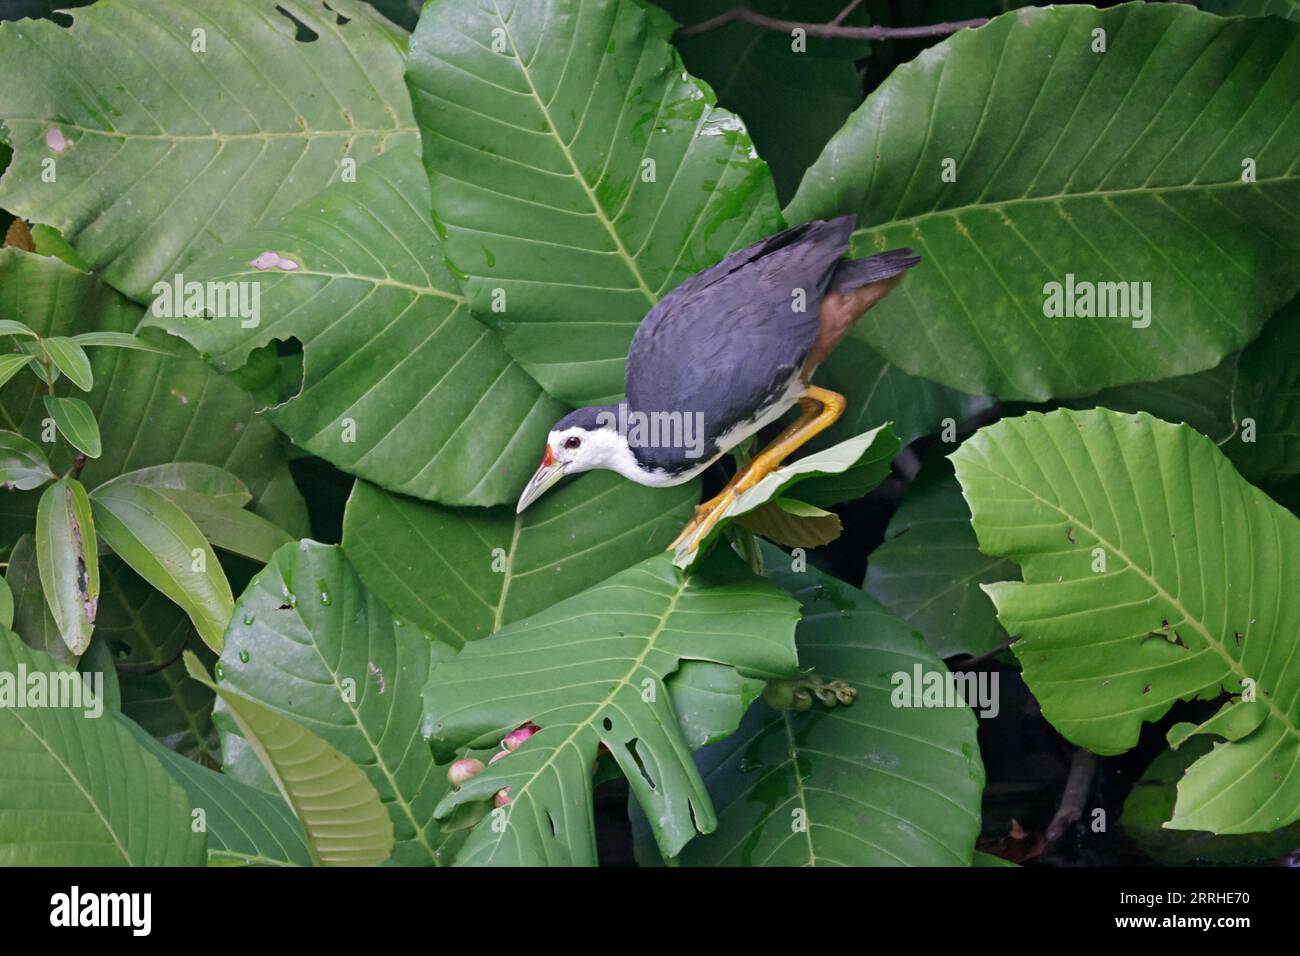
pixel 573 441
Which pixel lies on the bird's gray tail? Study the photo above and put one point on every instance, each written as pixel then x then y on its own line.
pixel 853 274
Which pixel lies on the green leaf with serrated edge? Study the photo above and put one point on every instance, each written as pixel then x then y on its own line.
pixel 191 476
pixel 118 340
pixel 152 410
pixel 23 466
pixel 70 359
pixel 12 364
pixel 870 783
pixel 1109 518
pixel 147 633
pixel 310 642
pixel 579 174
pixel 844 471
pixel 462 573
pixel 245 826
pixel 589 671
pixel 766 77
pixel 32 619
pixel 1150 805
pixel 161 544
pixel 78 790
pixel 69 565
pixel 341 814
pixel 401 386
pixel 234 137
pixel 76 422
pixel 929 570
pixel 1117 167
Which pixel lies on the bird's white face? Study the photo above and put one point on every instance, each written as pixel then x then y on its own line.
pixel 573 450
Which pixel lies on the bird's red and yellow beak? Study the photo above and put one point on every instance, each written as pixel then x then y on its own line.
pixel 548 473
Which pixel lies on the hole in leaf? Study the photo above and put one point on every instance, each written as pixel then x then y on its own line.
pixel 339 18
pixel 640 764
pixel 608 724
pixel 555 831
pixel 302 32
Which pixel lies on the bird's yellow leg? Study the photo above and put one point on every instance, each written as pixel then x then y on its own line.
pixel 819 409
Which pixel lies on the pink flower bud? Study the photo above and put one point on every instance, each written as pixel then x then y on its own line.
pixel 515 739
pixel 502 797
pixel 461 770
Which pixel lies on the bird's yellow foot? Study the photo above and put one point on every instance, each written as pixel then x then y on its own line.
pixel 694 533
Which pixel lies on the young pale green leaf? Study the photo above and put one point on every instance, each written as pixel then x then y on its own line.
pixel 401 385
pixel 11 364
pixel 868 783
pixel 23 465
pixel 341 814
pixel 463 573
pixel 1157 165
pixel 118 340
pixel 67 556
pixel 245 826
pixel 840 473
pixel 929 570
pixel 232 158
pixel 1183 573
pixel 579 174
pixel 10 327
pixel 76 422
pixel 70 359
pixel 165 547
pixel 76 789
pixel 310 642
pixel 589 671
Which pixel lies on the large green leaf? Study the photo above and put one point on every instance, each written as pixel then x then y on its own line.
pixel 245 826
pixel 152 409
pixel 864 784
pixel 1152 573
pixel 839 473
pixel 179 149
pixel 792 94
pixel 66 554
pixel 463 573
pixel 590 671
pixel 401 385
pixel 1254 8
pixel 929 569
pixel 341 814
pixel 78 790
pixel 161 544
pixel 1122 166
pixel 308 641
pixel 579 173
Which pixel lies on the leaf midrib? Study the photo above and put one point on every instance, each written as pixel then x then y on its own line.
pixel 216 136
pixel 575 171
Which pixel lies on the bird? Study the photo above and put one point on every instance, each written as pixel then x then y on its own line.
pixel 727 352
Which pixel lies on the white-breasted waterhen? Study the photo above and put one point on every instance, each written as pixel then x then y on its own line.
pixel 724 354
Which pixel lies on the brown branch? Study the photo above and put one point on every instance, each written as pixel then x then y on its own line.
pixel 834 30
pixel 1077 785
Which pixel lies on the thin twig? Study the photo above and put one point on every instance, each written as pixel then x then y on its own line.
pixel 853 5
pixel 1077 785
pixel 834 30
